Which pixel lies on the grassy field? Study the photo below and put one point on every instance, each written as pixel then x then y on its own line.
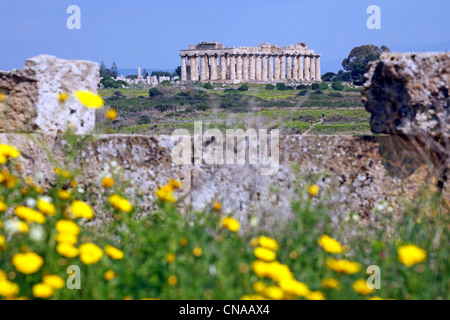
pixel 291 111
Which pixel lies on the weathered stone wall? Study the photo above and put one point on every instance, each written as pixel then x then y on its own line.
pixel 32 93
pixel 355 173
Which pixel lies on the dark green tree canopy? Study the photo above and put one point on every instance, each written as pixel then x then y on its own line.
pixel 359 57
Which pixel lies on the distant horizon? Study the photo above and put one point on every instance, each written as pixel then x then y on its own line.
pixel 153 32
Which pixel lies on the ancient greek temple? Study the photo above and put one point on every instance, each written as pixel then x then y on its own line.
pixel 213 62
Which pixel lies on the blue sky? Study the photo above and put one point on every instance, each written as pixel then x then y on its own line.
pixel 150 33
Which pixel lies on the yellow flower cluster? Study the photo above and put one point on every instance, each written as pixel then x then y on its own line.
pixel 361 287
pixel 343 266
pixel 165 193
pixel 80 209
pixel 29 215
pixel 27 263
pixel 7 152
pixel 107 182
pixel 111 114
pixel 114 253
pixel 410 255
pixel 90 253
pixel 330 245
pixel 231 224
pixel 46 207
pixel 8 289
pixel 120 203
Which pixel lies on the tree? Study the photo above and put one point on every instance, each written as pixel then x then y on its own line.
pixel 131 76
pixel 145 73
pixel 153 92
pixel 281 86
pixel 102 70
pixel 177 72
pixel 244 87
pixel 358 59
pixel 114 71
pixel 270 87
pixel 337 86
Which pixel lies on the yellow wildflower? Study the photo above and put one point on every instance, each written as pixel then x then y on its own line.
pixel 330 245
pixel 343 266
pixel 46 207
pixel 294 287
pixel 63 97
pixel 268 243
pixel 120 203
pixel 107 182
pixel 264 254
pixel 274 293
pixel 54 281
pixel 7 152
pixel 174 184
pixel 330 283
pixel 2 243
pixel 197 251
pixel 90 253
pixel 66 238
pixel 42 290
pixel 8 289
pixel 68 226
pixel 80 209
pixel 410 255
pixel 3 206
pixel 67 250
pixel 90 99
pixel 29 215
pixel 114 253
pixel 2 97
pixel 313 190
pixel 109 275
pixel 27 263
pixel 170 258
pixel 183 242
pixel 217 206
pixel 173 280
pixel 259 286
pixel 111 114
pixel 165 194
pixel 231 224
pixel 63 194
pixel 316 295
pixel 361 287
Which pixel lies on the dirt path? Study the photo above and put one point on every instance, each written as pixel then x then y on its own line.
pixel 312 127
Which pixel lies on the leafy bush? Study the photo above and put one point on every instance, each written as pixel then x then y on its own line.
pixel 323 86
pixel 337 86
pixel 208 86
pixel 166 83
pixel 244 87
pixel 301 87
pixel 153 92
pixel 315 86
pixel 270 87
pixel 281 86
pixel 318 91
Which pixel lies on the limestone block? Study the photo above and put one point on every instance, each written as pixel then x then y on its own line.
pixel 31 96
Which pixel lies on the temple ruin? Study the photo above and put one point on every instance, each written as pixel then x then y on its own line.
pixel 213 62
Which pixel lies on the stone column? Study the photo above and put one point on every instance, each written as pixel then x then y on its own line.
pixel 191 61
pixel 283 67
pixel 203 70
pixel 318 74
pixel 223 67
pixel 271 68
pixel 264 68
pixel 312 68
pixel 245 75
pixel 307 71
pixel 258 68
pixel 295 68
pixel 196 67
pixel 213 67
pixel 252 72
pixel 183 69
pixel 288 67
pixel 277 67
pixel 232 68
pixel 239 64
pixel 300 68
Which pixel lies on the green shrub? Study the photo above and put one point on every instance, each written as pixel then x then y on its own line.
pixel 318 91
pixel 244 87
pixel 166 83
pixel 270 87
pixel 337 86
pixel 301 87
pixel 323 86
pixel 315 86
pixel 281 86
pixel 208 86
pixel 153 92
